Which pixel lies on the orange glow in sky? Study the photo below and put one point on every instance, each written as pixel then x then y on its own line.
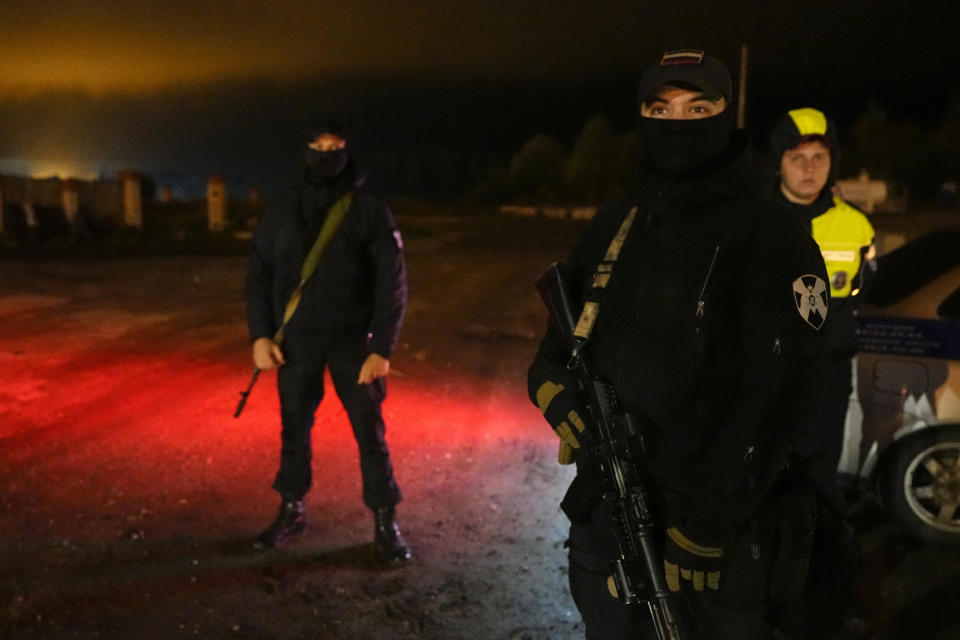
pixel 119 45
pixel 62 170
pixel 122 47
pixel 126 45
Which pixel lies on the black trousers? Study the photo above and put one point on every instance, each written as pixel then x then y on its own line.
pixel 592 546
pixel 300 384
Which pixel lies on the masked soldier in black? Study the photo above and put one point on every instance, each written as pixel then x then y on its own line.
pixel 710 330
pixel 348 317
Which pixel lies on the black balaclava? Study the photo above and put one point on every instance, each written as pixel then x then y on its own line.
pixel 678 148
pixel 325 166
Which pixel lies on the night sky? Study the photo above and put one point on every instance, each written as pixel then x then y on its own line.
pixel 193 88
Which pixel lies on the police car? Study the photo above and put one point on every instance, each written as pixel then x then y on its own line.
pixel 902 435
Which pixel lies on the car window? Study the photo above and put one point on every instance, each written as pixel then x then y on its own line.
pixel 950 307
pixel 903 271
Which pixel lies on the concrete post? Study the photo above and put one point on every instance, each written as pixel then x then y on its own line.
pixel 70 199
pixel 30 218
pixel 254 196
pixel 166 195
pixel 216 203
pixel 132 202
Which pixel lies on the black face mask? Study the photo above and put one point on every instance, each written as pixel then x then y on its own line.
pixel 675 148
pixel 324 165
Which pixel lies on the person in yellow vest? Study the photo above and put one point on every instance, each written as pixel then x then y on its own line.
pixel 805 152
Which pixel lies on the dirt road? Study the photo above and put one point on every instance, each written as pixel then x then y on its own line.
pixel 129 493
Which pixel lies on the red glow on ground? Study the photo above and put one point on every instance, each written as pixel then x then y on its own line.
pixel 158 428
pixel 129 493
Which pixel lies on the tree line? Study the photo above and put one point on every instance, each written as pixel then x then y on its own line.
pixel 597 168
pixel 601 161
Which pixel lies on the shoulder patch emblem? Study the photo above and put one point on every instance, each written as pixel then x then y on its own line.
pixel 811 295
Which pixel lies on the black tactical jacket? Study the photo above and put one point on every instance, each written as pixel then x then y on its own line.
pixel 359 285
pixel 701 334
pixel 842 338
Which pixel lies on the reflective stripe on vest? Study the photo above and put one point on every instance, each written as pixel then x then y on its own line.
pixel 842 232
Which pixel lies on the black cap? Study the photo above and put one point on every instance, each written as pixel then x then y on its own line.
pixel 688 67
pixel 325 125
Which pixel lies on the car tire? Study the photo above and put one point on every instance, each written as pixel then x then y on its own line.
pixel 920 485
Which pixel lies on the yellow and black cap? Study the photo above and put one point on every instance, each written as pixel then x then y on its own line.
pixel 688 67
pixel 801 125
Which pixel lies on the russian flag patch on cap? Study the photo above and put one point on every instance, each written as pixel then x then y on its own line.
pixel 682 56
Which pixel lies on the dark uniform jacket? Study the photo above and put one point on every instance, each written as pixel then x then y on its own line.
pixel 854 232
pixel 703 334
pixel 358 286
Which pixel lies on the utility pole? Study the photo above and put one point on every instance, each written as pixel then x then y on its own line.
pixel 742 91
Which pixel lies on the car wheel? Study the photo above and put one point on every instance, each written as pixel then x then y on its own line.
pixel 920 485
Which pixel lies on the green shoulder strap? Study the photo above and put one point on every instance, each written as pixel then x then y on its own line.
pixel 335 216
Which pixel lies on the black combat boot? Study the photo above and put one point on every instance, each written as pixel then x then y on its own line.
pixel 387 538
pixel 291 520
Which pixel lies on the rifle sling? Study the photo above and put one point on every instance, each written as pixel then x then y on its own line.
pixel 591 308
pixel 335 216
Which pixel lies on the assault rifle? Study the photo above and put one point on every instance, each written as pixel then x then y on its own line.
pixel 638 569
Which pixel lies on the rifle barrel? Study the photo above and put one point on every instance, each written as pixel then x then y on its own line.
pixel 244 394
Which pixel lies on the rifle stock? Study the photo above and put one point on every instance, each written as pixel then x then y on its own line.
pixel 638 570
pixel 552 287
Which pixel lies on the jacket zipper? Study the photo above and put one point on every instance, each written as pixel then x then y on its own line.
pixel 706 282
pixel 653 205
pixel 751 487
pixel 701 303
pixel 748 458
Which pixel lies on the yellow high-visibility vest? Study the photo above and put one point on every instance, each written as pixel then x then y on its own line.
pixel 842 232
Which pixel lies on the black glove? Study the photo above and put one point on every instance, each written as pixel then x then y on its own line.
pixel 684 559
pixel 561 408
